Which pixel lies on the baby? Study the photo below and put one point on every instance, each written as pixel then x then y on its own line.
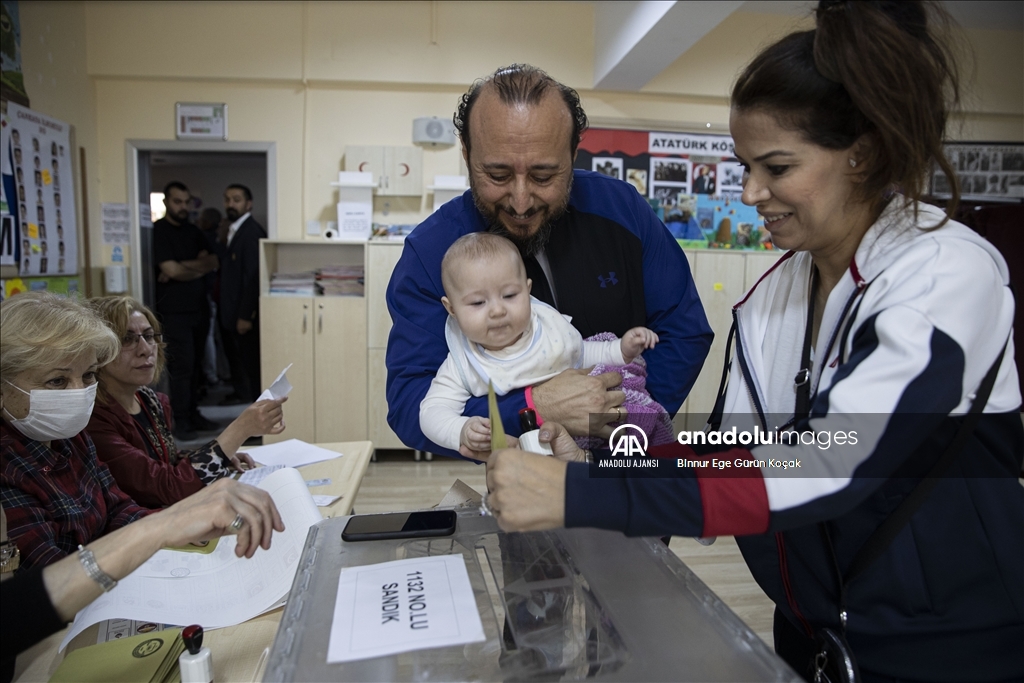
pixel 498 333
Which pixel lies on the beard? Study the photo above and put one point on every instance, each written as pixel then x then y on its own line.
pixel 180 216
pixel 528 245
pixel 232 213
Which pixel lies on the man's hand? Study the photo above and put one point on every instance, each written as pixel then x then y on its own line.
pixel 635 341
pixel 243 326
pixel 527 491
pixel 572 396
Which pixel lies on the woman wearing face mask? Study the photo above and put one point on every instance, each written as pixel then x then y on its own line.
pixel 55 492
pixel 131 424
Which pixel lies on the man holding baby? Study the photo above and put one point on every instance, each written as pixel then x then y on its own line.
pixel 592 247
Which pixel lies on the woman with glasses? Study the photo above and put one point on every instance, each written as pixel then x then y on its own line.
pixel 132 424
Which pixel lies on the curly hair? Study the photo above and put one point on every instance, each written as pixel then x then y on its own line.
pixel 521 84
pixel 116 313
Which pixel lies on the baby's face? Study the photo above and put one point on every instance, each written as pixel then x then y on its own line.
pixel 490 299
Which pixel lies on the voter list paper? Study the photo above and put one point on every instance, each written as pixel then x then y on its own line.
pixel 383 609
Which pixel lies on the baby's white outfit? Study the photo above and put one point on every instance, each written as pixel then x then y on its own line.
pixel 549 345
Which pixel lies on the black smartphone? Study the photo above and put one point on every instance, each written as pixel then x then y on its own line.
pixel 400 525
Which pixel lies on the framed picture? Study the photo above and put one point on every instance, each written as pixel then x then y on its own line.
pixel 986 171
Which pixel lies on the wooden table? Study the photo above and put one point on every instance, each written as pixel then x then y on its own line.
pixel 239 652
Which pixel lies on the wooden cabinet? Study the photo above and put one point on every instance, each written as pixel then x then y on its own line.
pixel 381 258
pixel 323 338
pixel 397 171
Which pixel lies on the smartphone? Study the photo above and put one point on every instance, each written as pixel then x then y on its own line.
pixel 400 525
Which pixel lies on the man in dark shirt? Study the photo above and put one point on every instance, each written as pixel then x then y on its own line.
pixel 182 258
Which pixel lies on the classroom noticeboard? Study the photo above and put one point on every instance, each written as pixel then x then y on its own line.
pixel 39 191
pixel 693 182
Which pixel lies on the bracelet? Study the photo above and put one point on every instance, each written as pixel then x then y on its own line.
pixel 88 561
pixel 530 404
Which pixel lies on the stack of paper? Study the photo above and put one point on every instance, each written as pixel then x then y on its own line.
pixel 149 657
pixel 297 284
pixel 340 281
pixel 218 589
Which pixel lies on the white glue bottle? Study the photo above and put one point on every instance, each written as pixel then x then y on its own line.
pixel 529 440
pixel 196 663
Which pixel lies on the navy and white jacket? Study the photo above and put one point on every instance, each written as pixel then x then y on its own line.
pixel 615 266
pixel 906 338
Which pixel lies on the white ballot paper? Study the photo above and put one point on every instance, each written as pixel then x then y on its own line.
pixel 218 589
pixel 383 609
pixel 290 453
pixel 280 388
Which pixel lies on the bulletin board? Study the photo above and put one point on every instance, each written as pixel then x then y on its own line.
pixel 986 171
pixel 40 234
pixel 693 181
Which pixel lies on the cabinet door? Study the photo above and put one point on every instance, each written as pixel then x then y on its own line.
pixel 366 159
pixel 340 368
pixel 403 171
pixel 377 404
pixel 719 278
pixel 381 259
pixel 286 336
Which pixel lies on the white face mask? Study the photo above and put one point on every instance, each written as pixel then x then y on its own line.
pixel 55 413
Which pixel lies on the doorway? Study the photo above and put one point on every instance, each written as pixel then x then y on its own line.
pixel 206 168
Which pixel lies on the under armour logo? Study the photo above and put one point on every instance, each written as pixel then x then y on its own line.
pixel 605 281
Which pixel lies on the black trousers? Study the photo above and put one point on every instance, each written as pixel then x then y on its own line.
pixel 243 352
pixel 185 336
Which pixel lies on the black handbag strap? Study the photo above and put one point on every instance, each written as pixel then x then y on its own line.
pixel 894 523
pixel 717 413
pixel 802 381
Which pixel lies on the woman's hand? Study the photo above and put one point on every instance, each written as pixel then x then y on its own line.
pixel 563 446
pixel 527 491
pixel 211 511
pixel 263 417
pixel 242 461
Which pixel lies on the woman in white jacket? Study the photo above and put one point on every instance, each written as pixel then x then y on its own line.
pixel 886 321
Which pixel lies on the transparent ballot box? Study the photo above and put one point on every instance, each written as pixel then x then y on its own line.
pixel 556 605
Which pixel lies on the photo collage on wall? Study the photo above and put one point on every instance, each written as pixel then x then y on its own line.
pixel 40 234
pixel 986 171
pixel 692 181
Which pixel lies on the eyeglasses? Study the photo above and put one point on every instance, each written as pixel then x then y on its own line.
pixel 130 339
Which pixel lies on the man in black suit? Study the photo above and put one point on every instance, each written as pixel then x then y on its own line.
pixel 239 293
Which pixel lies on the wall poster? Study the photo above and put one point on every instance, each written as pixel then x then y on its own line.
pixel 43 203
pixel 693 182
pixel 987 171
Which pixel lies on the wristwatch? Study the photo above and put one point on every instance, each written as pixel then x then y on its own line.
pixel 88 561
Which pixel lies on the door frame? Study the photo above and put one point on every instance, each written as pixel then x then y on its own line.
pixel 132 149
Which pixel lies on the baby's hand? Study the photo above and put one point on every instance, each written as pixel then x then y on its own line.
pixel 476 434
pixel 635 341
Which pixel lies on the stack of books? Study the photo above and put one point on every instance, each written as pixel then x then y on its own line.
pixel 340 281
pixel 295 284
pixel 151 657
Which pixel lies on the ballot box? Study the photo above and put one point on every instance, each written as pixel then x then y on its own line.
pixel 569 604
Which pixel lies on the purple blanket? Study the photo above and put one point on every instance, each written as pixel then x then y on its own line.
pixel 644 411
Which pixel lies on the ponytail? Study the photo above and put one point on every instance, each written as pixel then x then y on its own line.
pixel 874 69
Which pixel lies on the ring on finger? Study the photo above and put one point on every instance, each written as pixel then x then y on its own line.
pixel 237 525
pixel 485 509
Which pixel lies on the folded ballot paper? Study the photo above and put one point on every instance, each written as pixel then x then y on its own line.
pixel 216 589
pixel 147 657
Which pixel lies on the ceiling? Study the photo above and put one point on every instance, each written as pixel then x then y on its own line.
pixel 635 41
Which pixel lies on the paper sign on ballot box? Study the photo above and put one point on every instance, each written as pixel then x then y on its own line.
pixel 383 609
